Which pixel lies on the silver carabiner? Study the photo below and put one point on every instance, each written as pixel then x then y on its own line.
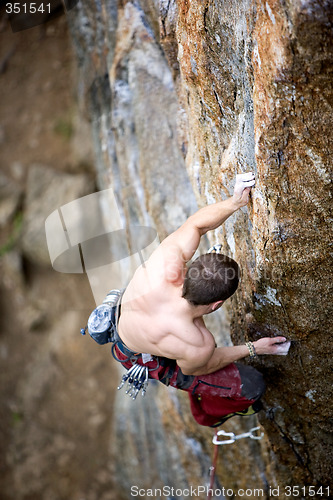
pixel 145 383
pixel 137 380
pixel 132 372
pixel 224 441
pixel 252 436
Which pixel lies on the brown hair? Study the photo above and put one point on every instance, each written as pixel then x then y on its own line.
pixel 209 278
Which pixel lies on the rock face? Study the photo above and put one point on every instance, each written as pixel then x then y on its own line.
pixel 46 191
pixel 183 95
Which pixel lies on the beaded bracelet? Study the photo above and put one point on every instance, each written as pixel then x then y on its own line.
pixel 252 350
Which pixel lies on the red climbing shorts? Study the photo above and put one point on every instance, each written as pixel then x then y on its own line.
pixel 233 388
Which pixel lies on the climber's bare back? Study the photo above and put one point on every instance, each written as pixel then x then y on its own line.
pixel 154 316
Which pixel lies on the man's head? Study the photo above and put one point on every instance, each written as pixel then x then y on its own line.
pixel 210 278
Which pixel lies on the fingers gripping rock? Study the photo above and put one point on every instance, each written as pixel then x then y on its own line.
pixel 244 181
pixel 282 349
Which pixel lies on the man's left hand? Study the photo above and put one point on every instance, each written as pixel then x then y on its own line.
pixel 276 345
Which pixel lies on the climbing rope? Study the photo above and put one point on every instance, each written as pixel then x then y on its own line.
pixel 212 469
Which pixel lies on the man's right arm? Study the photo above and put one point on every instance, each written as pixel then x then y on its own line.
pixel 181 245
pixel 212 216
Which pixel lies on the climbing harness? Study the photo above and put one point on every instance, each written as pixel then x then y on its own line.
pixel 252 434
pixel 233 437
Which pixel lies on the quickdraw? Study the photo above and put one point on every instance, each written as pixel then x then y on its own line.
pixel 233 437
pixel 252 434
pixel 137 380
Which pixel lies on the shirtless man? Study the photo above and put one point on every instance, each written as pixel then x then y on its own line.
pixel 160 316
pixel 155 318
pixel 162 313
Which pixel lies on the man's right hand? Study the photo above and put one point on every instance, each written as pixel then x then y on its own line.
pixel 244 183
pixel 272 345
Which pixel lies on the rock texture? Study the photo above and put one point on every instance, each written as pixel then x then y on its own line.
pixel 55 420
pixel 183 95
pixel 46 191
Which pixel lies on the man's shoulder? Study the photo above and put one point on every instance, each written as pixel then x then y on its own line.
pixel 193 334
pixel 183 340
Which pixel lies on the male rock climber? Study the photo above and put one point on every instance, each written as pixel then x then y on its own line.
pixel 162 313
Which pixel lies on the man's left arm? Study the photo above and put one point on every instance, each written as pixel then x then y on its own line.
pixel 221 357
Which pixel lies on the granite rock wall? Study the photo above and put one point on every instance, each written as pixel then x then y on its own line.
pixel 181 96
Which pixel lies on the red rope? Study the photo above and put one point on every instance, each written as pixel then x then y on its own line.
pixel 212 470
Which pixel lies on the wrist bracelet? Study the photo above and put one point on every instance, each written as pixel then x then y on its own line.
pixel 252 350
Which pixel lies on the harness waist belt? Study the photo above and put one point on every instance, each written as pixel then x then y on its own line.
pixel 126 351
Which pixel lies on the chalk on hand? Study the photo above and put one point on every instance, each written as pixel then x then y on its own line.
pixel 248 176
pixel 282 349
pixel 244 181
